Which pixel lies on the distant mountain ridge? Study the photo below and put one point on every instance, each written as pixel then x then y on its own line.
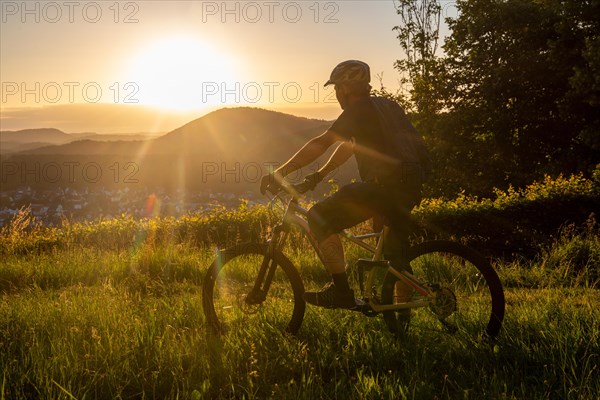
pixel 31 139
pixel 240 134
pixel 228 133
pixel 226 150
pixel 40 135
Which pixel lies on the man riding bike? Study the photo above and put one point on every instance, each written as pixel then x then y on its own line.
pixel 392 161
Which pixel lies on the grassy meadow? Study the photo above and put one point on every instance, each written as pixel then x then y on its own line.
pixel 119 315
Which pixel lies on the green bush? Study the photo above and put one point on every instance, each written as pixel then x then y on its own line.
pixel 221 227
pixel 516 222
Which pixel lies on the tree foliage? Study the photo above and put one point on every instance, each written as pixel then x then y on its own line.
pixel 418 35
pixel 515 94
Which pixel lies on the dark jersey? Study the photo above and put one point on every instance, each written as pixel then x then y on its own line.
pixel 386 145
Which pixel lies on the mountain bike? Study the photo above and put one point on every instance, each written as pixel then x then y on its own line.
pixel 255 283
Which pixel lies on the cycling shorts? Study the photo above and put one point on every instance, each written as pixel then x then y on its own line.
pixel 358 202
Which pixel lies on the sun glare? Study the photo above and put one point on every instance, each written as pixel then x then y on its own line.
pixel 177 72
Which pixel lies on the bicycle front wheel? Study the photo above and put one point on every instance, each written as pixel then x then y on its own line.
pixel 230 279
pixel 467 293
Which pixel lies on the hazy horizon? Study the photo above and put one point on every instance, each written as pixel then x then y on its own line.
pixel 123 119
pixel 166 63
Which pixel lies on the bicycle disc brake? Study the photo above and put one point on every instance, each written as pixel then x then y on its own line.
pixel 444 303
pixel 248 307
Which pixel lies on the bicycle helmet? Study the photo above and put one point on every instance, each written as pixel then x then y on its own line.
pixel 350 72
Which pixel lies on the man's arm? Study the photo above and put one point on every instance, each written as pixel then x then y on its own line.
pixel 341 154
pixel 312 150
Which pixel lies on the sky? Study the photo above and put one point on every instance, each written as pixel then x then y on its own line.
pixel 152 66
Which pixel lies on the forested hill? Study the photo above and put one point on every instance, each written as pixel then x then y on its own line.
pixel 225 150
pixel 250 133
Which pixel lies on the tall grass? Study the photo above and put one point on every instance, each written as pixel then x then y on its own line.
pixel 89 323
pixel 103 342
pixel 572 260
pixel 112 309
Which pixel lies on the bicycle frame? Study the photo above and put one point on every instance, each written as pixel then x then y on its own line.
pixel 295 215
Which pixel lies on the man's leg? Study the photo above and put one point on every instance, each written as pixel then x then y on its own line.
pixel 345 208
pixel 398 246
pixel 337 293
pixel 332 252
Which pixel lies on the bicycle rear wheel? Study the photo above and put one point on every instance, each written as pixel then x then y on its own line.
pixel 468 293
pixel 230 279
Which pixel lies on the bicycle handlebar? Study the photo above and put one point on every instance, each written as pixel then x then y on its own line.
pixel 292 189
pixel 275 186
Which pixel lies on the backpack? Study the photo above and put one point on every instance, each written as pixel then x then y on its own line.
pixel 402 140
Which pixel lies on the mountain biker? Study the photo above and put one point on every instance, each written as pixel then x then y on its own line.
pixel 392 160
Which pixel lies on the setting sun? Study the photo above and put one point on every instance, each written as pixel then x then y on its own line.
pixel 171 73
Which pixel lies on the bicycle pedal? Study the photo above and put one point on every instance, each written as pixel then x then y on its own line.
pixel 365 308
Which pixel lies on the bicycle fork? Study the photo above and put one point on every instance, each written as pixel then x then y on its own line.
pixel 265 275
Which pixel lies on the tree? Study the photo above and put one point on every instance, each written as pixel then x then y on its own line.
pixel 418 35
pixel 515 94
